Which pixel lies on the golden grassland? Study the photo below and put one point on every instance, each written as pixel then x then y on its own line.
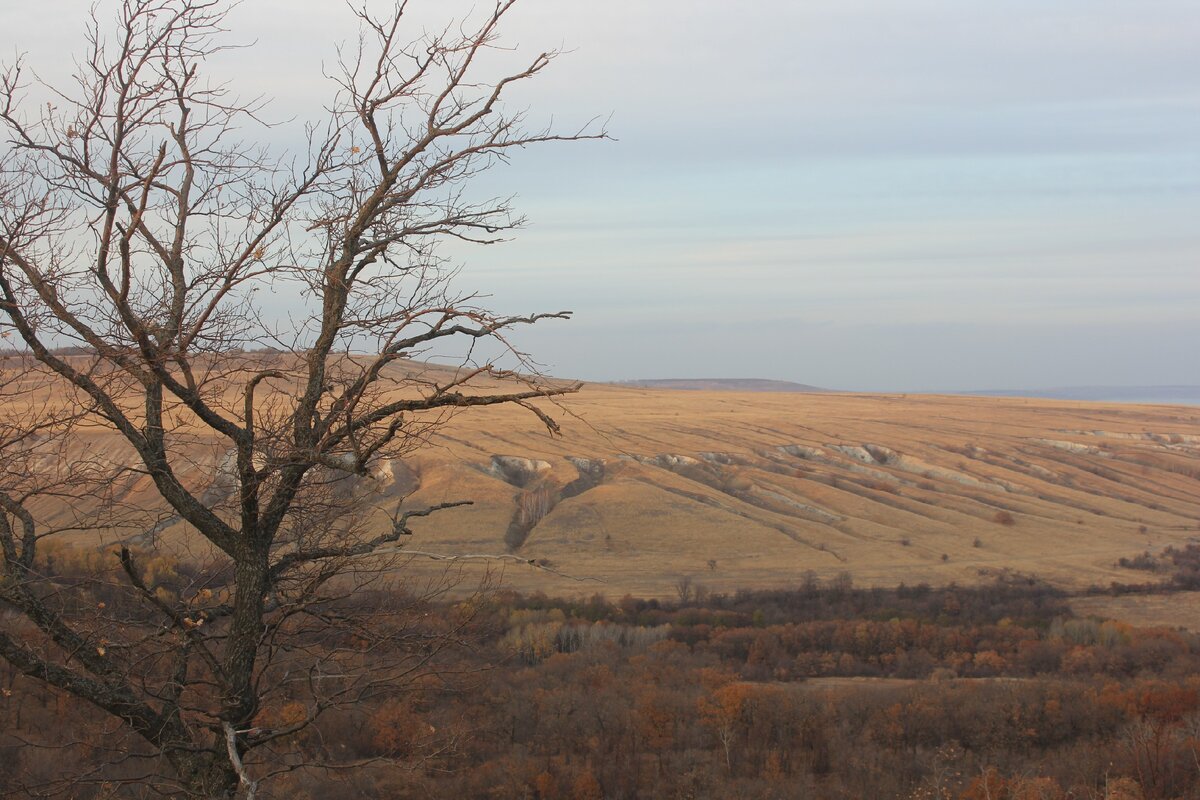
pixel 742 490
pixel 1175 610
pixel 750 490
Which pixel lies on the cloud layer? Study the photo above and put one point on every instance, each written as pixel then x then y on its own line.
pixel 868 195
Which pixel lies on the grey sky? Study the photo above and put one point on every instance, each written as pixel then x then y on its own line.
pixel 898 194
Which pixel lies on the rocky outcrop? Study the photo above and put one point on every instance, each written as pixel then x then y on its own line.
pixel 395 476
pixel 518 471
pixel 1075 447
pixel 673 461
pixel 802 451
pixel 726 459
pixel 881 454
pixel 855 452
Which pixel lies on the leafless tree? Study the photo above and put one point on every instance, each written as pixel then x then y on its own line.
pixel 138 234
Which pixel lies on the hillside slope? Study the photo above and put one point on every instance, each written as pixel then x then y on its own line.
pixel 754 489
pixel 722 385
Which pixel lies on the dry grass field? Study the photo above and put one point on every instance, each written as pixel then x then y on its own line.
pixel 743 489
pixel 754 489
pixel 1175 610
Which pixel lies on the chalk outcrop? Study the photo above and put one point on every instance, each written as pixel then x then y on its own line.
pixel 520 472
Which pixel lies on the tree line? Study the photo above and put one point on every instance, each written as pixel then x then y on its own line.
pixel 906 692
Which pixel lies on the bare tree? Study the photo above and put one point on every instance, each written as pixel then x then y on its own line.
pixel 138 235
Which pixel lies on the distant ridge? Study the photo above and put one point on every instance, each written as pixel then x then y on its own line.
pixel 723 385
pixel 1175 394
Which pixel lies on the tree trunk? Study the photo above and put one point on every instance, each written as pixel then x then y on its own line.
pixel 245 632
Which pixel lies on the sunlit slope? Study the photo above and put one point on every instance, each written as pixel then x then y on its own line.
pixel 752 489
pixel 646 486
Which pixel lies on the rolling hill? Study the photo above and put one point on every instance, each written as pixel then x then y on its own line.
pixel 755 489
pixel 722 385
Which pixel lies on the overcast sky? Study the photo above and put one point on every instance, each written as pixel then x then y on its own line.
pixel 888 195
